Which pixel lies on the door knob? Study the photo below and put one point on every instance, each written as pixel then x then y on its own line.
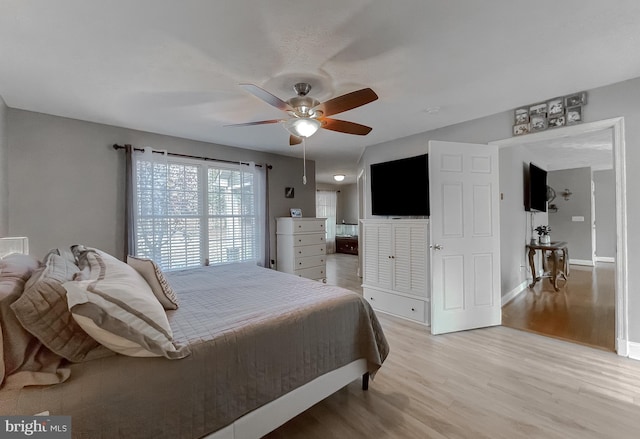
pixel 437 247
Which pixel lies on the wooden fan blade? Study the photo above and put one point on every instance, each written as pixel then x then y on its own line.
pixel 260 122
pixel 349 101
pixel 344 126
pixel 266 96
pixel 293 140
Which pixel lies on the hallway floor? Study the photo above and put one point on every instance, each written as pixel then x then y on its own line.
pixel 583 311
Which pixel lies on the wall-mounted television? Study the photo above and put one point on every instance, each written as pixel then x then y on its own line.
pixel 401 187
pixel 535 189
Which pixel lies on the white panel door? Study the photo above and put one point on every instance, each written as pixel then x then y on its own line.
pixel 465 236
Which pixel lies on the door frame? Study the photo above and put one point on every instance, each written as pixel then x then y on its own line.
pixel 619 164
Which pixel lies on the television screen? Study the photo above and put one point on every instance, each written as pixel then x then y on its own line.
pixel 401 187
pixel 536 193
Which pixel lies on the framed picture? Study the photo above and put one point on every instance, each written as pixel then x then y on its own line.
pixel 576 99
pixel 520 129
pixel 296 212
pixel 521 116
pixel 555 107
pixel 538 109
pixel 289 192
pixel 538 122
pixel 555 122
pixel 574 115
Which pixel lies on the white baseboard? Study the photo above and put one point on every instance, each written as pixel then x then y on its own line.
pixel 605 259
pixel 634 350
pixel 513 293
pixel 587 262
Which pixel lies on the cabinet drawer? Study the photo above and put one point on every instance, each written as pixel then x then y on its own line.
pixel 310 261
pixel 402 306
pixel 315 238
pixel 310 250
pixel 312 273
pixel 308 226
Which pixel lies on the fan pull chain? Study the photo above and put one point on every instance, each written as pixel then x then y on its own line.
pixel 304 162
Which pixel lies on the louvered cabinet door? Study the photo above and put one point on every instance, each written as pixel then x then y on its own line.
pixel 410 269
pixel 378 262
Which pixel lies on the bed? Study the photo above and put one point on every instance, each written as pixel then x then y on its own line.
pixel 263 347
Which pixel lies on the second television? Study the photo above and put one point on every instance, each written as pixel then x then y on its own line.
pixel 535 189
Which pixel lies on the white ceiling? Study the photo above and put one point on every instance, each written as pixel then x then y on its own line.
pixel 173 67
pixel 589 150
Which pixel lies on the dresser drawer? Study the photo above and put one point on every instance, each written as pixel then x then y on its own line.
pixel 312 273
pixel 310 250
pixel 402 306
pixel 315 238
pixel 310 261
pixel 309 226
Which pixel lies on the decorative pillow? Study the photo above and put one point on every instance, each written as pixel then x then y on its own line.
pixel 116 306
pixel 43 311
pixel 156 280
pixel 18 265
pixel 24 360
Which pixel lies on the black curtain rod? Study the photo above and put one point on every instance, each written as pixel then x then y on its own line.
pixel 186 156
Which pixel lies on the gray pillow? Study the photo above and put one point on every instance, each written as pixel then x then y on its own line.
pixel 43 311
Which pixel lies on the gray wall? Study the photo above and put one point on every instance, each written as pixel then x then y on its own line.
pixel 66 182
pixel 605 200
pixel 620 99
pixel 349 204
pixel 346 201
pixel 576 234
pixel 4 170
pixel 515 222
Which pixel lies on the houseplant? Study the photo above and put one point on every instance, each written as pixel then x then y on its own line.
pixel 543 234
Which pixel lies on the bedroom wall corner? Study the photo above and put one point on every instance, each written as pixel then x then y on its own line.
pixel 4 170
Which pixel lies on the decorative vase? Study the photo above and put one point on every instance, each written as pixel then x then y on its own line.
pixel 545 239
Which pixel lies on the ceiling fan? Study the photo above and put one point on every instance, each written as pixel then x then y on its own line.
pixel 308 114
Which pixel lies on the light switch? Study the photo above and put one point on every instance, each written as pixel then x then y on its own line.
pixel 577 219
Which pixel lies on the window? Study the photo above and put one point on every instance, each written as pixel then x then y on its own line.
pixel 189 212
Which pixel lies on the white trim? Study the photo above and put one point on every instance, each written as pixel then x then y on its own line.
pixel 585 262
pixel 267 418
pixel 514 293
pixel 619 163
pixel 607 259
pixel 633 350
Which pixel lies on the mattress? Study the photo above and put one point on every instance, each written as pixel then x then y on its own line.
pixel 255 334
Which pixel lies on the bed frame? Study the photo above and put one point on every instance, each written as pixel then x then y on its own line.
pixel 270 416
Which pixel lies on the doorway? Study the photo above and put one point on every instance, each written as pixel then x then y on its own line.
pixel 615 128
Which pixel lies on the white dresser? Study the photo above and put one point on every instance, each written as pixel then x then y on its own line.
pixel 396 267
pixel 302 247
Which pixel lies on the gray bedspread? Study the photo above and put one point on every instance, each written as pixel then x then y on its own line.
pixel 255 334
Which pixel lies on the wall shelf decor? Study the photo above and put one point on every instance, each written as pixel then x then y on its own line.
pixel 554 113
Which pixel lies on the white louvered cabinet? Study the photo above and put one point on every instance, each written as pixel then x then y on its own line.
pixel 396 267
pixel 301 247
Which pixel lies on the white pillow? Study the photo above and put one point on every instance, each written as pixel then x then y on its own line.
pixel 116 307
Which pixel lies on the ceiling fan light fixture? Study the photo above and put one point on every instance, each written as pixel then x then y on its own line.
pixel 338 177
pixel 302 126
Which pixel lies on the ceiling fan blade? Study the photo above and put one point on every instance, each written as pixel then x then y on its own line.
pixel 293 140
pixel 260 122
pixel 266 96
pixel 344 126
pixel 349 101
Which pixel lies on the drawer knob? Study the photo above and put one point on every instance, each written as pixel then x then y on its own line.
pixel 299 252
pixel 299 263
pixel 371 298
pixel 413 309
pixel 299 240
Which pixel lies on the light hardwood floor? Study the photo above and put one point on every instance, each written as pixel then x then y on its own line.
pixel 489 383
pixel 583 311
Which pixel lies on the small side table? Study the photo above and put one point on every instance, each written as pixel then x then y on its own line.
pixel 558 267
